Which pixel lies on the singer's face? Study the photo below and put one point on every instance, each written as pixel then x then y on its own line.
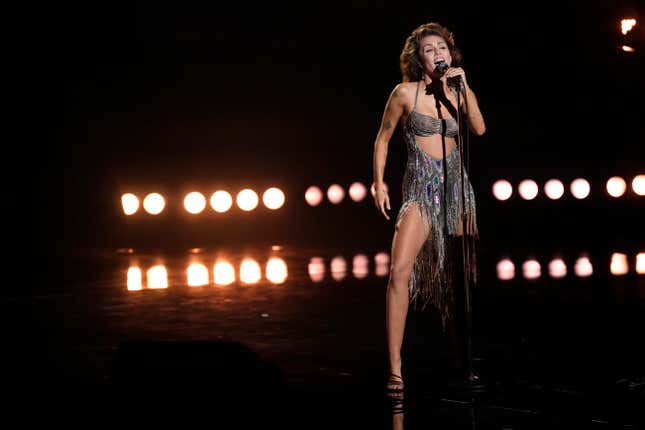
pixel 432 49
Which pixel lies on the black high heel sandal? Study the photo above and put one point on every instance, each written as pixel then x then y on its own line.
pixel 394 389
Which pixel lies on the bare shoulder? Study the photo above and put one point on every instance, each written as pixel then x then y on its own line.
pixel 403 93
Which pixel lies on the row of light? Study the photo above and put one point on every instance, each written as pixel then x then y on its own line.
pixel 531 269
pixel 195 202
pixel 554 189
pixel 250 272
pixel 357 191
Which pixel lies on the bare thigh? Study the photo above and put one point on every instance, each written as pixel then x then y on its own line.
pixel 409 236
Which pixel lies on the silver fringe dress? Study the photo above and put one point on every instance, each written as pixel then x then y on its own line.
pixel 434 187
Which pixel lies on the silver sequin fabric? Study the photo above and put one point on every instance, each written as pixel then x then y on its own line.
pixel 435 193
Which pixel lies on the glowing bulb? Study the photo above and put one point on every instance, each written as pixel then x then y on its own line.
pixel 223 273
pixel 316 269
pixel 554 189
pixel 580 188
pixel 338 268
pixel 583 267
pixel 335 194
pixel 638 185
pixel 221 201
pixel 527 189
pixel 313 195
pixel 360 266
pixel 154 203
pixel 250 272
pixel 382 264
pixel 157 277
pixel 626 25
pixel 357 191
pixel 273 198
pixel 247 200
pixel 194 202
pixel 130 203
pixel 502 190
pixel 557 268
pixel 505 270
pixel 134 279
pixel 618 265
pixel 531 269
pixel 276 270
pixel 616 186
pixel 640 263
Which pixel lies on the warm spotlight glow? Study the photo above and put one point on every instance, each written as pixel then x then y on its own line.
pixel 134 279
pixel 195 202
pixel 502 190
pixel 505 270
pixel 627 24
pixel 223 273
pixel 531 269
pixel 313 195
pixel 618 265
pixel 197 275
pixel 316 269
pixel 638 185
pixel 154 203
pixel 580 188
pixel 335 194
pixel 357 191
pixel 627 48
pixel 247 200
pixel 557 268
pixel 338 268
pixel 616 186
pixel 157 277
pixel 276 270
pixel 554 189
pixel 221 201
pixel 382 264
pixel 130 203
pixel 273 198
pixel 640 263
pixel 250 272
pixel 527 189
pixel 360 266
pixel 583 267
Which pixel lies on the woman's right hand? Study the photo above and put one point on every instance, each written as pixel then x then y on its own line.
pixel 381 199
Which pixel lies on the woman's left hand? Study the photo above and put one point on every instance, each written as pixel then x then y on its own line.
pixel 456 71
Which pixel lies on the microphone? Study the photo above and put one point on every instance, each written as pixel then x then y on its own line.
pixel 441 66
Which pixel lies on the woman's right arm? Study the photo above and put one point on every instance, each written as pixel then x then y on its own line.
pixel 393 111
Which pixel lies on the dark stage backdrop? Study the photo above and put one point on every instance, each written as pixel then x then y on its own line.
pixel 165 96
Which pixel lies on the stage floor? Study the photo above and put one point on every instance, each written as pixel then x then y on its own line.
pixel 308 350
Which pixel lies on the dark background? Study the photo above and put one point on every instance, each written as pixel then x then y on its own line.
pixel 175 96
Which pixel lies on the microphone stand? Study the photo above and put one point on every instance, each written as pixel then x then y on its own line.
pixel 465 245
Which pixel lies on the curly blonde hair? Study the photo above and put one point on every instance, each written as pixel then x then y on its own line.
pixel 409 61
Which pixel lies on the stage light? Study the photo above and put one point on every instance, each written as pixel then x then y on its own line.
pixel 373 189
pixel 157 277
pixel 626 25
pixel 221 201
pixel 527 189
pixel 130 203
pixel 618 265
pixel 247 200
pixel 640 263
pixel 154 203
pixel 554 189
pixel 276 270
pixel 580 188
pixel 616 186
pixel 531 269
pixel 134 279
pixel 357 191
pixel 557 268
pixel 382 264
pixel 638 185
pixel 335 194
pixel 505 270
pixel 360 266
pixel 273 198
pixel 502 189
pixel 627 48
pixel 316 269
pixel 194 202
pixel 250 272
pixel 338 268
pixel 313 195
pixel 583 267
pixel 223 273
pixel 197 274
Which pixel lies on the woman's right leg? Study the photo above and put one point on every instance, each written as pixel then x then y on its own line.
pixel 409 236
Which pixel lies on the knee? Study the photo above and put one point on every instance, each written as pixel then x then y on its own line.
pixel 399 276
